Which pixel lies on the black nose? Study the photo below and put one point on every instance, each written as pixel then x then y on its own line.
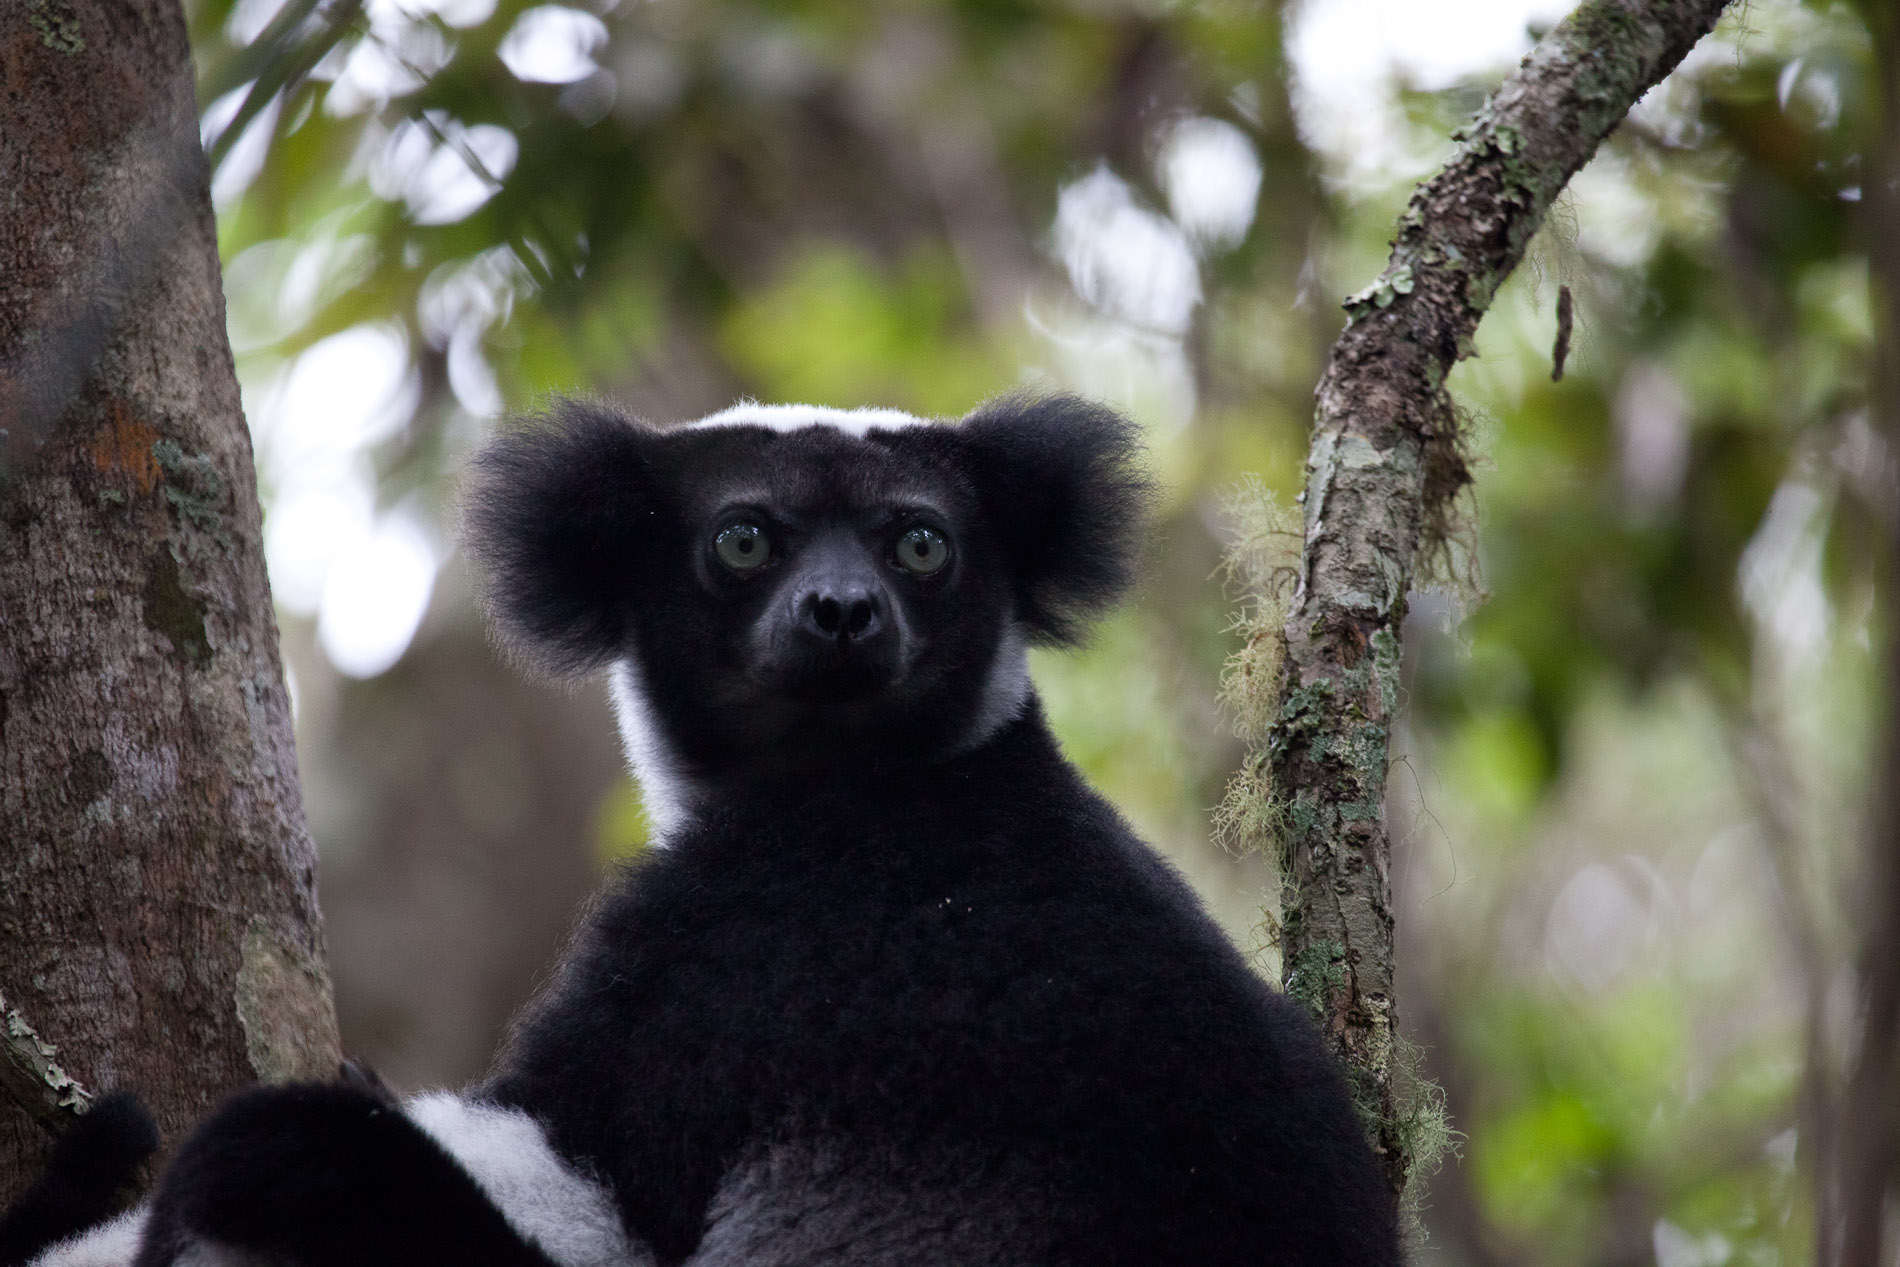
pixel 842 615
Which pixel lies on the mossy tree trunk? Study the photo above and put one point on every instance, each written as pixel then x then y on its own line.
pixel 1383 468
pixel 158 918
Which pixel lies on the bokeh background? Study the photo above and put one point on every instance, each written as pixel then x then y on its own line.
pixel 1628 803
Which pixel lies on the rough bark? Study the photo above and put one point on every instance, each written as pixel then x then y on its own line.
pixel 158 919
pixel 1381 471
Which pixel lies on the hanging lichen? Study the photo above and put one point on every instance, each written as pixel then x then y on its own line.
pixel 1261 569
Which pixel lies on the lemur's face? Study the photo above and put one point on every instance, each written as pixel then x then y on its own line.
pixel 825 599
pixel 826 573
pixel 784 593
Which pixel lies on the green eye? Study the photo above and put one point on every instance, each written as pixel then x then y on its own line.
pixel 743 547
pixel 922 551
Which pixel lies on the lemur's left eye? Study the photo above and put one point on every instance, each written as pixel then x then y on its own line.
pixel 922 551
pixel 743 546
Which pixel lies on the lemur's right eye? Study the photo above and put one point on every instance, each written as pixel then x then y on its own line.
pixel 743 546
pixel 922 551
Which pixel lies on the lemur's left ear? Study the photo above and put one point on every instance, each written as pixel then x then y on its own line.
pixel 1062 478
pixel 557 512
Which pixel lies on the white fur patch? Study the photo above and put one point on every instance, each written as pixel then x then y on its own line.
pixel 855 422
pixel 663 786
pixel 115 1243
pixel 666 791
pixel 505 1151
pixel 1005 689
pixel 111 1244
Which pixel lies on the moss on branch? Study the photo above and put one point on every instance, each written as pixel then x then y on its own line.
pixel 1383 473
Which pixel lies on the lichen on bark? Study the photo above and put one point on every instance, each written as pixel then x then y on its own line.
pixel 1384 470
pixel 30 1070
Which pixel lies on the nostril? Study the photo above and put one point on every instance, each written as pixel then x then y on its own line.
pixel 842 618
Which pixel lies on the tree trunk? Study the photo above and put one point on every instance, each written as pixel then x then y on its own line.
pixel 158 918
pixel 1381 473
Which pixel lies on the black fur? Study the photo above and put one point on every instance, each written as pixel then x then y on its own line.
pixel 1061 480
pixel 900 988
pixel 957 966
pixel 966 974
pixel 565 512
pixel 326 1176
pixel 555 512
pixel 86 1180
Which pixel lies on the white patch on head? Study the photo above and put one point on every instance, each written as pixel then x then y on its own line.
pixel 1005 689
pixel 111 1244
pixel 664 789
pixel 857 422
pixel 507 1154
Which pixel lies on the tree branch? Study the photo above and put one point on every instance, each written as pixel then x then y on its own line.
pixel 1381 474
pixel 30 1075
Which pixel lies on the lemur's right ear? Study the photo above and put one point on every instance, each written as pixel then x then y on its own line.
pixel 554 513
pixel 1065 485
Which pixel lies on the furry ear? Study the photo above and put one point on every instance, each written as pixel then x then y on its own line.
pixel 555 513
pixel 1062 480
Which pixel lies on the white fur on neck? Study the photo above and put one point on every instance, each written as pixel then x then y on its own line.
pixel 1005 689
pixel 855 422
pixel 664 789
pixel 507 1154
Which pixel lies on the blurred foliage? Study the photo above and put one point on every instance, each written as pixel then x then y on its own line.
pixel 1630 778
